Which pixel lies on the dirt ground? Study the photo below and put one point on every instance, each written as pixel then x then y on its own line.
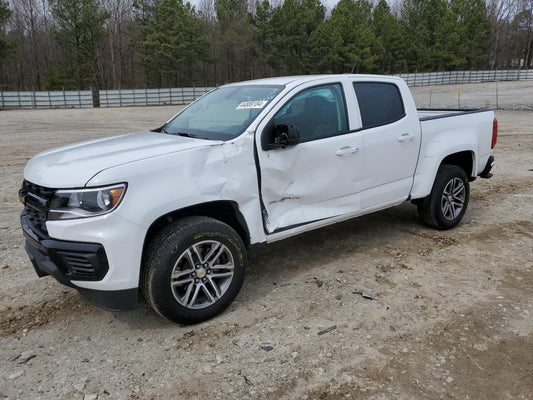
pixel 452 315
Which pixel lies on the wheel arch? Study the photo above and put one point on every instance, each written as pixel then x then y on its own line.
pixel 225 211
pixel 428 168
pixel 463 159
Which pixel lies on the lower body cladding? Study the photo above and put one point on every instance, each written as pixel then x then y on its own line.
pixel 105 274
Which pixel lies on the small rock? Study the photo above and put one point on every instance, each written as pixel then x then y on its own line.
pixel 220 359
pixel 319 283
pixel 188 334
pixel 90 397
pixel 338 297
pixel 5 266
pixel 449 379
pixel 16 375
pixel 79 386
pixel 266 348
pixel 294 354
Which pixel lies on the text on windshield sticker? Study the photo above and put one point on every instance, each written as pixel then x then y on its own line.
pixel 252 104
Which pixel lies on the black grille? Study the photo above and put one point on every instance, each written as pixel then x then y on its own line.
pixel 36 204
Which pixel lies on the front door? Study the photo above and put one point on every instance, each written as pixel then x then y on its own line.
pixel 318 178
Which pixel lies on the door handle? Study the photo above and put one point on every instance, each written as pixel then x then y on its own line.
pixel 347 150
pixel 405 137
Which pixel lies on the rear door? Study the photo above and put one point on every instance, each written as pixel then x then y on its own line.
pixel 391 141
pixel 317 178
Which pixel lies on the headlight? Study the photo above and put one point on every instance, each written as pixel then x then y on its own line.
pixel 83 203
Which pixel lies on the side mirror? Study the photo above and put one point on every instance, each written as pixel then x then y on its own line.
pixel 285 135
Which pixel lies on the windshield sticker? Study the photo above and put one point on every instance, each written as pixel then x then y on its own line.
pixel 252 104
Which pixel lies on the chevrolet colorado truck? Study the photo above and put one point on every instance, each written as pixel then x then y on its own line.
pixel 170 212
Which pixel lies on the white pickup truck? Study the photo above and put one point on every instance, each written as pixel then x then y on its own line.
pixel 172 211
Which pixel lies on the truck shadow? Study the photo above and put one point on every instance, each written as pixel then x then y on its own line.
pixel 269 263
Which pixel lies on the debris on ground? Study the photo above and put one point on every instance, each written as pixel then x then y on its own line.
pixel 324 331
pixel 368 296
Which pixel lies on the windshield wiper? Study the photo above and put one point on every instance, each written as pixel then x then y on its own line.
pixel 185 134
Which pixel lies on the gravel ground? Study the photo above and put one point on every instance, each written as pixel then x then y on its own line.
pixel 452 314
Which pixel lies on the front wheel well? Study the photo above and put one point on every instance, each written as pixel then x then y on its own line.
pixel 463 159
pixel 224 211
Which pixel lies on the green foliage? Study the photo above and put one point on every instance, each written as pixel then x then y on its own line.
pixel 420 19
pixel 80 30
pixel 390 39
pixel 164 43
pixel 293 23
pixel 233 39
pixel 263 36
pixel 5 45
pixel 173 42
pixel 472 17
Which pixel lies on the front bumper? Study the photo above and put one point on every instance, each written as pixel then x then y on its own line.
pixel 69 261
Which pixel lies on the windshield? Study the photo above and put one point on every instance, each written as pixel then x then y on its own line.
pixel 224 113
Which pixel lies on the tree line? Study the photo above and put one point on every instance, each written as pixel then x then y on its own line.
pixel 111 44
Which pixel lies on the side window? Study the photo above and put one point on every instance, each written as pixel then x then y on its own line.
pixel 316 112
pixel 380 103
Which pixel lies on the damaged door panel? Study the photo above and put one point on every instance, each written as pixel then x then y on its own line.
pixel 319 177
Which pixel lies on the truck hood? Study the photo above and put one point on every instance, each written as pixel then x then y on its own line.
pixel 74 165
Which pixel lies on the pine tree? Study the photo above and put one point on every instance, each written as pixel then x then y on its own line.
pixel 80 30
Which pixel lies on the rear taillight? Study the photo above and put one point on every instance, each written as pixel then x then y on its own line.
pixel 494 133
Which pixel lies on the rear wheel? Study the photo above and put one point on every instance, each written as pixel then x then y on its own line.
pixel 194 269
pixel 446 205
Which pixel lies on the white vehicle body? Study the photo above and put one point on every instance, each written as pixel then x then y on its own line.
pixel 273 193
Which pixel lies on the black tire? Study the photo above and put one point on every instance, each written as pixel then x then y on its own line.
pixel 181 247
pixel 442 209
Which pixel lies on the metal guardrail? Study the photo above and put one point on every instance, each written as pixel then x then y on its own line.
pixel 150 97
pixel 53 99
pixel 171 96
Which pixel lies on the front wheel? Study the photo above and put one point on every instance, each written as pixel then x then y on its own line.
pixel 193 270
pixel 446 205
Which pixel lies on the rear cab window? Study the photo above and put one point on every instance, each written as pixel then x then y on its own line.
pixel 380 103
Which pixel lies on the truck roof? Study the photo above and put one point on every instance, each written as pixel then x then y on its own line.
pixel 299 79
